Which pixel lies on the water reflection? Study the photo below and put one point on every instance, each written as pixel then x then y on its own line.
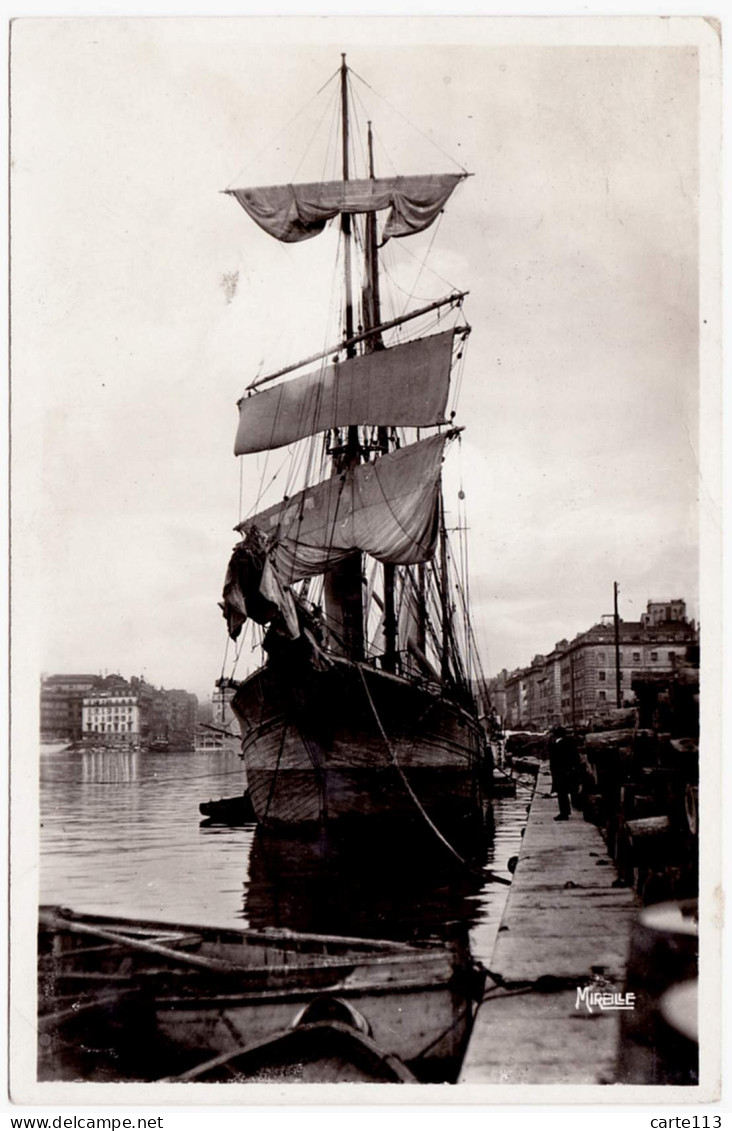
pixel 373 882
pixel 121 834
pixel 109 767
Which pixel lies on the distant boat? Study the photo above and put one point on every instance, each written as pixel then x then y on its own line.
pixel 365 704
pixel 55 747
pixel 211 742
pixel 124 999
pixel 232 811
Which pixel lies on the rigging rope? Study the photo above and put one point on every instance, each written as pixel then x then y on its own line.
pixel 407 120
pixel 435 230
pixel 226 653
pixel 403 776
pixel 282 130
pixel 312 139
pixel 276 771
pixel 403 246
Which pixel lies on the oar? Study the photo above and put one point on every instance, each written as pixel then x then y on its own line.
pixel 219 966
pixel 215 965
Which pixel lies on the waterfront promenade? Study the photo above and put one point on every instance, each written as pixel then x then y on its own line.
pixel 564 920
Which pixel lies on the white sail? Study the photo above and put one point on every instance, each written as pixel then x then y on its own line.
pixel 406 385
pixel 388 509
pixel 292 213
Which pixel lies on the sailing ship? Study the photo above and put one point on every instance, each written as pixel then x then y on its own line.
pixel 365 705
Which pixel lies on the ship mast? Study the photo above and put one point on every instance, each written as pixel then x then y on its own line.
pixel 372 318
pixel 346 230
pixel 444 597
pixel 343 585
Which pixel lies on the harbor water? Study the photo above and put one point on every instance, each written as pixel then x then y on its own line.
pixel 121 834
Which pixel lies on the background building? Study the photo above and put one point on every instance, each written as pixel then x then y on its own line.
pixel 111 717
pixel 181 719
pixel 113 711
pixel 61 706
pixel 218 727
pixel 577 682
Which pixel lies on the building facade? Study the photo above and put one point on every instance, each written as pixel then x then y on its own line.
pixel 182 719
pixel 112 716
pixel 62 697
pixel 113 711
pixel 582 679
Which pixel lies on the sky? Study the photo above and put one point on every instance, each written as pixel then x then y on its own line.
pixel 576 237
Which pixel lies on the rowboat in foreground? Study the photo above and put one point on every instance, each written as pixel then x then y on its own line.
pixel 123 999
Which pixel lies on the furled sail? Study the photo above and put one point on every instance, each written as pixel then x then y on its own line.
pixel 406 385
pixel 388 509
pixel 298 212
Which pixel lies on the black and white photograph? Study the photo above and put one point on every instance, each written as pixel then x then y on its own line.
pixel 365 567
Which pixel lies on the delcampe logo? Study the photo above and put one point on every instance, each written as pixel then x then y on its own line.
pixel 605 1000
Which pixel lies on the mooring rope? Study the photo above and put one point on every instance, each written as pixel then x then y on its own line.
pixel 276 770
pixel 544 984
pixel 405 781
pixel 484 873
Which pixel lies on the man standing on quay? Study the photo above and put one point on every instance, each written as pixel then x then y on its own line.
pixel 563 765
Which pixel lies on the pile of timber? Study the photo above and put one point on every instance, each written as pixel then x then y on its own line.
pixel 641 788
pixel 525 751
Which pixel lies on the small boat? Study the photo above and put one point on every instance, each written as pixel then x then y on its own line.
pixel 214 741
pixel 127 999
pixel 233 811
pixel 308 1052
pixel 55 747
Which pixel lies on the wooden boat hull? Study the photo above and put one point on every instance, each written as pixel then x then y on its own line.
pixel 323 1052
pixel 232 811
pixel 191 993
pixel 404 1022
pixel 332 744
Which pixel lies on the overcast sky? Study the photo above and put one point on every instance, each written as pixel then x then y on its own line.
pixel 577 238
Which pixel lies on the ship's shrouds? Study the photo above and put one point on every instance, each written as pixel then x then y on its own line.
pixel 405 385
pixel 298 212
pixel 387 509
pixel 365 705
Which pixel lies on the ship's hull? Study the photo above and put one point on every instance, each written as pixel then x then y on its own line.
pixel 354 741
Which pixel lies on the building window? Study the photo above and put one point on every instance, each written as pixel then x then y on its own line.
pixel 672 655
pixel 601 676
pixel 654 655
pixel 601 695
pixel 636 657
